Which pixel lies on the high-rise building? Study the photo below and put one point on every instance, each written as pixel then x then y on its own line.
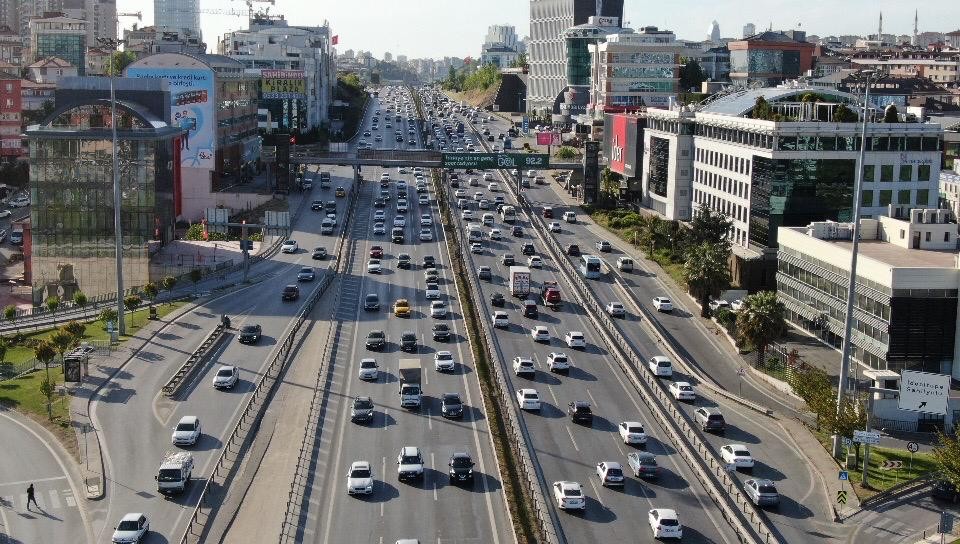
pixel 388 57
pixel 713 33
pixel 62 37
pixel 503 34
pixel 177 14
pixel 637 69
pixel 749 29
pixel 100 15
pixel 546 51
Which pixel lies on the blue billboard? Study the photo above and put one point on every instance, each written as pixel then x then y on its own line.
pixel 192 108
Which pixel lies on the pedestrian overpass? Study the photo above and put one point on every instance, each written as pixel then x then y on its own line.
pixel 424 158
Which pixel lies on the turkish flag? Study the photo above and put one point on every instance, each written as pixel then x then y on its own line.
pixel 335 40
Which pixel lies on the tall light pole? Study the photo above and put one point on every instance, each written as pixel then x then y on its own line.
pixel 118 236
pixel 852 284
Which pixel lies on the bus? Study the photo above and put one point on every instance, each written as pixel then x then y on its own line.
pixel 508 214
pixel 590 266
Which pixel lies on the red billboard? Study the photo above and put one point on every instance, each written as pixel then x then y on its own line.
pixel 621 136
pixel 548 138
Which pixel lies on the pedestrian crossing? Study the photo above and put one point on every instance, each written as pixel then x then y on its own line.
pixel 884 528
pixel 51 499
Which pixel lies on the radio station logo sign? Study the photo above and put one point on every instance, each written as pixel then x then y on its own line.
pixel 283 84
pixel 534 161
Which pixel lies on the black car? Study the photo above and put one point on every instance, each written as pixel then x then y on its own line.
pixel 403 260
pixel 399 138
pixel 362 410
pixel 507 259
pixel 441 332
pixel 376 340
pixel 530 309
pixel 580 412
pixel 451 406
pixel 497 300
pixel 372 302
pixel 945 491
pixel 517 231
pixel 249 334
pixel 291 292
pixel 528 249
pixel 316 205
pixel 573 250
pixel 483 273
pixel 408 341
pixel 379 203
pixel 429 261
pixel 461 468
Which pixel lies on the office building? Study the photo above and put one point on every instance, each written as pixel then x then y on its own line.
pixel 749 29
pixel 71 174
pixel 505 35
pixel 636 70
pixel 905 316
pixel 11 46
pixel 713 33
pixel 147 40
pixel 61 37
pixel 11 114
pixel 177 15
pixel 100 15
pixel 770 58
pixel 501 46
pixel 293 65
pixel 547 52
pixel 941 67
pixel 498 55
pixel 715 63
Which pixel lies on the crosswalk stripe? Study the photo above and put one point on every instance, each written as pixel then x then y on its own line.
pixel 54 499
pixel 68 498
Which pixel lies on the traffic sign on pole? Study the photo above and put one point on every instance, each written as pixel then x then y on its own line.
pixel 866 437
pixel 841 497
pixel 924 392
pixel 844 476
pixel 913 447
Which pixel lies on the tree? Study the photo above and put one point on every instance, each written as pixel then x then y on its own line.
pixel 890 114
pixel 762 109
pixel 610 186
pixel 61 341
pixel 150 291
pixel 10 312
pixel 760 321
pixel 80 299
pixel 706 272
pixel 709 226
pixel 843 114
pixel 107 315
pixel 168 283
pixel 53 303
pixel 691 75
pixel 44 352
pixel 75 329
pixel 118 61
pixel 520 61
pixel 851 416
pixel 196 275
pixel 4 346
pixel 946 454
pixel 565 152
pixel 130 302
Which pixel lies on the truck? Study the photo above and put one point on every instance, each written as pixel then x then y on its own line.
pixel 410 392
pixel 550 294
pixel 519 281
pixel 175 472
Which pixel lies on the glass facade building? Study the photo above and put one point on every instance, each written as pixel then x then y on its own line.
pixel 71 179
pixel 61 37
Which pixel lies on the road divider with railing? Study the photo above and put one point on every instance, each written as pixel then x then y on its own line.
pixel 194 361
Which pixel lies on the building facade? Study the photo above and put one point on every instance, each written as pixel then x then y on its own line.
pixel 11 117
pixel 637 70
pixel 61 37
pixel 177 15
pixel 71 173
pixel 546 50
pixel 100 15
pixel 51 70
pixel 498 55
pixel 770 58
pixel 505 35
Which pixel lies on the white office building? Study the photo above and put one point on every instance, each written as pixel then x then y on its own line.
pixel 636 69
pixel 505 35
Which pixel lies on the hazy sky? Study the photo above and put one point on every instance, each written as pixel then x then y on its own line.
pixel 438 28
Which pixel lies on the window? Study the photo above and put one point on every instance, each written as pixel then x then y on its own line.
pixel 869 172
pixel 903 197
pixel 906 172
pixel 866 198
pixel 903 234
pixel 923 172
pixel 885 197
pixel 923 197
pixel 886 172
pixel 946 236
pixel 927 237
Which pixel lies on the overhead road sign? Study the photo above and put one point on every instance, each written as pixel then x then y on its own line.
pixel 533 161
pixel 924 392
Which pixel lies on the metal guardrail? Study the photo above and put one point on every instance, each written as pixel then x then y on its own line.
pixel 251 415
pixel 173 385
pixel 747 521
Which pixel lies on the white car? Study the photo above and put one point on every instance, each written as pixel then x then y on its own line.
pixel 385 176
pixel 664 523
pixel 478 196
pixel 426 220
pixel 493 187
pixel 443 361
pixel 569 496
pixel 558 362
pixel 290 246
pixel 528 399
pixel 495 234
pixel 374 266
pixel 539 333
pixel 409 464
pixel 466 215
pixel 460 193
pixel 737 455
pixel 438 308
pixel 575 340
pixel 501 319
pixel 682 391
pixel 360 478
pixel 632 432
pixel 5 213
pixel 399 222
pixel 423 200
pixel 432 291
pixel 426 234
pixel 187 431
pixel 369 370
pixel 378 228
pixel 476 247
pixel 402 205
pixel 570 217
pixel 663 304
pixel 379 215
pixel 554 226
pixel 400 170
pixel 610 473
pixel 524 366
pixel 19 202
pixel 534 261
pixel 660 366
pixel 615 309
pixel 132 528
pixel 226 377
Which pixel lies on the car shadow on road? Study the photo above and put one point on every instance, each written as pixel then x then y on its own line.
pixel 387 377
pixel 791 509
pixel 668 479
pixel 603 424
pixel 549 410
pixel 383 491
pixel 638 487
pixel 578 373
pixel 381 420
pixel 737 435
pixel 764 470
pixel 546 378
pixel 597 512
pixel 207 442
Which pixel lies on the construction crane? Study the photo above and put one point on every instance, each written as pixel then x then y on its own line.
pixel 250 4
pixel 137 14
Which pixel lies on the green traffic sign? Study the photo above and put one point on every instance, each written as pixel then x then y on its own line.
pixel 533 161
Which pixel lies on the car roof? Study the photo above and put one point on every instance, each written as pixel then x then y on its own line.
pixel 569 485
pixel 612 464
pixel 528 390
pixel 227 367
pixel 580 404
pixel 189 419
pixel 665 513
pixel 409 450
pixel 360 464
pixel 678 384
pixel 659 358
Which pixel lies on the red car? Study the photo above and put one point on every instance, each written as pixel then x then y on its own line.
pixel 547 212
pixel 376 252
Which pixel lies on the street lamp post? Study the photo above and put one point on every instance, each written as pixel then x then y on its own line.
pixel 852 283
pixel 118 236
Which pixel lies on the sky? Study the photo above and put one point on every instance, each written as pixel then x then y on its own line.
pixel 456 28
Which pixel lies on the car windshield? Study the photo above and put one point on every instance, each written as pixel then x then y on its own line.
pixel 766 489
pixel 376 334
pixel 647 461
pixel 185 426
pixel 128 525
pixel 225 373
pixel 530 396
pixel 409 459
pixel 462 462
pixel 360 473
pixel 411 337
pixel 451 400
pixel 372 298
pixel 249 328
pixel 363 404
pixel 368 364
pixel 440 327
pixel 685 388
pixel 444 356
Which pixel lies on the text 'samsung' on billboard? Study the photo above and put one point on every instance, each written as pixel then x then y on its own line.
pixel 283 84
pixel 620 140
pixel 191 108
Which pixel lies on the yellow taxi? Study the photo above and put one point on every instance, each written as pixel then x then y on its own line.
pixel 401 308
pixel 341 192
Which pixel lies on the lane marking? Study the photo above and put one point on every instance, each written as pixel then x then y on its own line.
pixel 570 434
pixel 34 481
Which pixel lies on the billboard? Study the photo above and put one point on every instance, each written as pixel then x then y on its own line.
pixel 283 84
pixel 548 138
pixel 622 143
pixel 191 107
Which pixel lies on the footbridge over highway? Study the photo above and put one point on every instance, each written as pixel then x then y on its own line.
pixel 426 159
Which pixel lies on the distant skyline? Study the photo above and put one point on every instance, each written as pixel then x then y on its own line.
pixel 455 28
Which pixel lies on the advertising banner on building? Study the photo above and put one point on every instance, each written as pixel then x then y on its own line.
pixel 548 138
pixel 620 143
pixel 192 108
pixel 283 84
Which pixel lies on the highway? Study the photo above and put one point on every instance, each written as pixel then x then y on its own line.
pixel 136 420
pixel 431 509
pixel 804 510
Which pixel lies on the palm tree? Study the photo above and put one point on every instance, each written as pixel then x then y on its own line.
pixel 45 353
pixel 706 272
pixel 760 321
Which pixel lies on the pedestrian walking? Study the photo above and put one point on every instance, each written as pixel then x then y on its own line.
pixel 31 497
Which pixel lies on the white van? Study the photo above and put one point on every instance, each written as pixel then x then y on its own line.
pixel 493 187
pixel 625 264
pixel 487 219
pixel 326 227
pixel 474 234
